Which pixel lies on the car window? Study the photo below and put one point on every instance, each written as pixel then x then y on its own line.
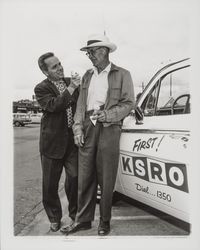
pixel 170 95
pixel 149 104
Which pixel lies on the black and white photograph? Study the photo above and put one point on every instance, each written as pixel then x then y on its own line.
pixel 99 124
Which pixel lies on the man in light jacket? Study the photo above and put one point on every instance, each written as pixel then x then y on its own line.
pixel 106 98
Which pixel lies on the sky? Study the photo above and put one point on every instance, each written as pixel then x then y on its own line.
pixel 148 34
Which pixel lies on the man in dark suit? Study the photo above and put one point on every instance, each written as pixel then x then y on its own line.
pixel 57 96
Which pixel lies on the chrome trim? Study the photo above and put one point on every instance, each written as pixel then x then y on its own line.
pixel 155 131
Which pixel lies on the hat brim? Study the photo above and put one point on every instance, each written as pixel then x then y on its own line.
pixel 111 46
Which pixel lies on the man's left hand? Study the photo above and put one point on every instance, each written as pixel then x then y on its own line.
pixel 101 116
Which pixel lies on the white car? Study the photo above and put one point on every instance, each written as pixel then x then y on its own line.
pixel 154 164
pixel 36 118
pixel 21 119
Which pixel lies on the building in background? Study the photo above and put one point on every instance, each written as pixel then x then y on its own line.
pixel 25 106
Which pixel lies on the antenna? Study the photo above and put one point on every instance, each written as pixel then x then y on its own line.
pixel 103 22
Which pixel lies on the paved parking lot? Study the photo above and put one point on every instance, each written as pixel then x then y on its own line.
pixel 30 218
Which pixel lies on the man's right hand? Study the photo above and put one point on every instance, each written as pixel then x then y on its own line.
pixel 75 80
pixel 75 83
pixel 79 140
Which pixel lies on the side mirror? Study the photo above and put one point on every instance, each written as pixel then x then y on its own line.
pixel 139 116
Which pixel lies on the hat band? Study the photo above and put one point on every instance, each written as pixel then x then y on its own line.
pixel 92 41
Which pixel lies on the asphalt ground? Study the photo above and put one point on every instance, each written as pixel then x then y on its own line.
pixel 30 218
pixel 127 220
pixel 27 176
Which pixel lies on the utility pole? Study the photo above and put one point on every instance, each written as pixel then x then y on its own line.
pixel 142 86
pixel 170 90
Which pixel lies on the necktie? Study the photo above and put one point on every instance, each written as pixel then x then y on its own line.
pixel 69 117
pixel 61 86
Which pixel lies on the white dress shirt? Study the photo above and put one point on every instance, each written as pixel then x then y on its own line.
pixel 97 91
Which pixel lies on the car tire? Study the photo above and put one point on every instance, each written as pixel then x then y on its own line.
pixel 17 124
pixel 115 199
pixel 98 197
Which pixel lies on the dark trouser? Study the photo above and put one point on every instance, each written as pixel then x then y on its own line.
pixel 52 170
pixel 98 164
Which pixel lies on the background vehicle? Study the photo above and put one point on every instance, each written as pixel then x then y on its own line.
pixel 21 119
pixel 36 118
pixel 154 157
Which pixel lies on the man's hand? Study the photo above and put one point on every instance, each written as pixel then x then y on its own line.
pixel 75 80
pixel 101 116
pixel 75 83
pixel 79 140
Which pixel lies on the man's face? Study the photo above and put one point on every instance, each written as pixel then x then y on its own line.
pixel 96 55
pixel 54 68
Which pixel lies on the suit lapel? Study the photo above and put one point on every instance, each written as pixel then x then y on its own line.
pixel 67 80
pixel 53 87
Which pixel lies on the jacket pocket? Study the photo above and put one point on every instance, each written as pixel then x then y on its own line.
pixel 115 93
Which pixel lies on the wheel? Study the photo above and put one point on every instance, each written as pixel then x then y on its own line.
pixel 98 197
pixel 115 199
pixel 17 124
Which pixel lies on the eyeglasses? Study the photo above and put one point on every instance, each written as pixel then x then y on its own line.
pixel 91 52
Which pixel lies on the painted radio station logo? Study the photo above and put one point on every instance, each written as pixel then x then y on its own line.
pixel 170 174
pixel 147 144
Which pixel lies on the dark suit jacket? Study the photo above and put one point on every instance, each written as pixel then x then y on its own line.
pixel 53 130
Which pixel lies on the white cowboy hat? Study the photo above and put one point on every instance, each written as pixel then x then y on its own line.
pixel 99 41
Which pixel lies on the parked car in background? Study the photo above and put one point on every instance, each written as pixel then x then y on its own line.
pixel 36 118
pixel 154 166
pixel 21 119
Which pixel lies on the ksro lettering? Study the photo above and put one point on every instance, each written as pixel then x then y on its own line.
pixel 170 174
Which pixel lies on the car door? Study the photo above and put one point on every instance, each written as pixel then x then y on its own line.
pixel 154 155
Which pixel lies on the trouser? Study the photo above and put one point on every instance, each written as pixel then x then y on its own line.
pixel 52 170
pixel 98 164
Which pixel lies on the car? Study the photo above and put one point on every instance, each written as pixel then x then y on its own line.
pixel 21 119
pixel 154 164
pixel 36 118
